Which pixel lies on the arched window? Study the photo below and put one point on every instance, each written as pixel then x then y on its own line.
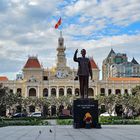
pixel 77 92
pixel 53 92
pixel 45 92
pixel 19 92
pixel 117 91
pixel 102 91
pixel 69 92
pixel 61 92
pixel 90 92
pixel 109 91
pixel 126 91
pixel 32 92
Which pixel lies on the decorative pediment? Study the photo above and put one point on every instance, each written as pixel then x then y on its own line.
pixel 32 79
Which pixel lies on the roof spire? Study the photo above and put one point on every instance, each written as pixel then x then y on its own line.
pixel 134 61
pixel 60 34
pixel 61 40
pixel 111 53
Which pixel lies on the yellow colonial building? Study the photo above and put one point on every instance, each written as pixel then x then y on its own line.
pixel 37 81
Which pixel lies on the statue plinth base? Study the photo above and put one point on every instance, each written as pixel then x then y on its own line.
pixel 80 108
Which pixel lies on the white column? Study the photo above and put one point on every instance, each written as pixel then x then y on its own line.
pixel 26 92
pixel 129 91
pixel 57 92
pixel 113 91
pixel 73 93
pixel 49 91
pixel 106 91
pixel 65 91
pixel 96 90
pixel 14 90
pixel 38 91
pixel 122 91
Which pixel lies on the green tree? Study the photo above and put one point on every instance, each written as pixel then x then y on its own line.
pixel 7 98
pixel 108 101
pixel 136 98
pixel 136 90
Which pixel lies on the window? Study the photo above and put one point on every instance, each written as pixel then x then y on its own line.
pixel 61 92
pixel 69 92
pixel 102 91
pixel 109 91
pixel 53 92
pixel 117 91
pixel 32 92
pixel 90 92
pixel 77 92
pixel 45 78
pixel 19 90
pixel 45 92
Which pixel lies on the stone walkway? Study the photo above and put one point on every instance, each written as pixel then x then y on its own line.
pixel 114 132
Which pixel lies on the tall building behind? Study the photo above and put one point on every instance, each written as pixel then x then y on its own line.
pixel 117 65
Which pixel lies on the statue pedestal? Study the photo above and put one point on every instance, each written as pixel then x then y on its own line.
pixel 80 108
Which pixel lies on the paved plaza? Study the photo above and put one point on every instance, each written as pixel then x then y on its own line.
pixel 114 132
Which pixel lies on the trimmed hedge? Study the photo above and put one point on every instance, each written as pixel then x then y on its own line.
pixel 117 120
pixel 64 121
pixel 110 120
pixel 22 121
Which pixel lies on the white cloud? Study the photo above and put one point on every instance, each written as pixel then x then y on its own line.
pixel 27 28
pixel 77 7
pixel 117 12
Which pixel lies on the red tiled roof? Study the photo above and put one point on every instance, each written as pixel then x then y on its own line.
pixel 93 64
pixel 3 78
pixel 32 62
pixel 123 79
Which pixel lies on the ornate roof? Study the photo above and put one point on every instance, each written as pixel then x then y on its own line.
pixel 110 53
pixel 3 78
pixel 134 61
pixel 93 64
pixel 32 62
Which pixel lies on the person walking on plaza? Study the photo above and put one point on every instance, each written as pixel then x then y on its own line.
pixel 84 70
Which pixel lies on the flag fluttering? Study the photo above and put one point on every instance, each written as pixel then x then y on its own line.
pixel 58 23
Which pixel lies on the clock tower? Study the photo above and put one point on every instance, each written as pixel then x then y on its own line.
pixel 62 71
pixel 61 59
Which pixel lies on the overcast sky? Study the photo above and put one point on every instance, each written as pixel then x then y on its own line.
pixel 27 28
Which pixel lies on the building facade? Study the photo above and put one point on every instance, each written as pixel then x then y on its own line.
pixel 58 81
pixel 37 81
pixel 117 65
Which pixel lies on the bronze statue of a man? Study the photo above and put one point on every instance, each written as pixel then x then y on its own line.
pixel 84 70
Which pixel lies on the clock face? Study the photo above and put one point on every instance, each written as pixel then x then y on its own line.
pixel 60 74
